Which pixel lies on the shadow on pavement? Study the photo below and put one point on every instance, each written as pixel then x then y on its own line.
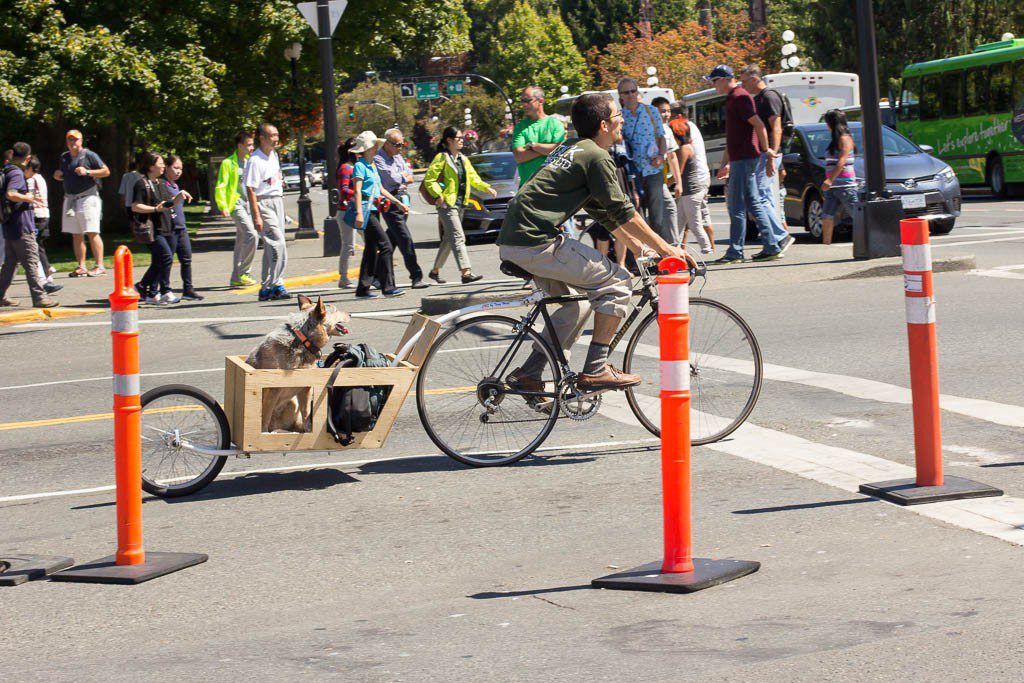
pixel 805 506
pixel 491 595
pixel 442 463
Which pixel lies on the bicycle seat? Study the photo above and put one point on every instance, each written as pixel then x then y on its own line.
pixel 513 270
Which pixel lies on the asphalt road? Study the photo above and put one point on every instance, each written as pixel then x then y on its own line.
pixel 401 565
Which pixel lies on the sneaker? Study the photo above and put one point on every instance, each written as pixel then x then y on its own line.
pixel 79 272
pixel 608 378
pixel 420 284
pixel 345 284
pixel 46 302
pixel 786 243
pixel 436 277
pixel 192 295
pixel 266 294
pixel 279 292
pixel 51 287
pixel 395 292
pixel 520 381
pixel 52 270
pixel 4 301
pixel 97 271
pixel 366 295
pixel 239 283
pixel 466 279
pixel 728 259
pixel 154 300
pixel 762 256
pixel 169 298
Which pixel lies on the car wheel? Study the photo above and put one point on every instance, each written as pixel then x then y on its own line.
pixel 813 208
pixel 997 177
pixel 943 227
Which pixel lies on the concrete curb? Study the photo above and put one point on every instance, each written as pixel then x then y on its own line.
pixel 894 266
pixel 36 314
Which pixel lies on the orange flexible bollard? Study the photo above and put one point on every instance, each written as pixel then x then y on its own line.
pixel 929 486
pixel 678 572
pixel 673 340
pixel 130 564
pixel 124 335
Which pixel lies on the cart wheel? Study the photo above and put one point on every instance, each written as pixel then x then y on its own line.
pixel 177 420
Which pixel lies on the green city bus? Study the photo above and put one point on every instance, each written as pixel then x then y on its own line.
pixel 970 109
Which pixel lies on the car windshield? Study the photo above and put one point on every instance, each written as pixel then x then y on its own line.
pixel 499 167
pixel 893 143
pixel 290 170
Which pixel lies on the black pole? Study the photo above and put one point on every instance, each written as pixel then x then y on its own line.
pixel 871 117
pixel 306 229
pixel 876 220
pixel 332 232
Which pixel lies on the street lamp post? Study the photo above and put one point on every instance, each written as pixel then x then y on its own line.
pixel 306 229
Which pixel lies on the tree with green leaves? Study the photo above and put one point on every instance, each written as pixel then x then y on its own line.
pixel 536 49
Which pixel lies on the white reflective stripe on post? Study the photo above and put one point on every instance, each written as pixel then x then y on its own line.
pixel 124 321
pixel 675 375
pixel 917 258
pixel 126 385
pixel 673 299
pixel 920 310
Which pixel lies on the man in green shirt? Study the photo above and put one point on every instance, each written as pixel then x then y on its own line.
pixel 579 174
pixel 536 136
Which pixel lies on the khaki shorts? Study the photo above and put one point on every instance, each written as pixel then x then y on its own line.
pixel 88 209
pixel 569 264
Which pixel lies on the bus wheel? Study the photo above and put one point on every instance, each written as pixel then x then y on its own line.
pixel 997 177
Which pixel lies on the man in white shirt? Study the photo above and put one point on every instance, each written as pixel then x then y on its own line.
pixel 265 190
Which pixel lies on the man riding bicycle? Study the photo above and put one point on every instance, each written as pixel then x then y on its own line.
pixel 579 174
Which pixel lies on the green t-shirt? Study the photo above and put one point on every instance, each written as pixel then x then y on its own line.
pixel 546 131
pixel 579 174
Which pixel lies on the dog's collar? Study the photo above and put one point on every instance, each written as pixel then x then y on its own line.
pixel 304 340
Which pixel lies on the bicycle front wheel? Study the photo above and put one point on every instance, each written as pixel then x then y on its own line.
pixel 466 404
pixel 725 372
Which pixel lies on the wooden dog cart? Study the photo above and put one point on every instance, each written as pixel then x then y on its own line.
pixel 244 386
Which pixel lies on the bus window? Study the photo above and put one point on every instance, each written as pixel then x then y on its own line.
pixel 976 91
pixel 930 97
pixel 710 116
pixel 1000 83
pixel 951 86
pixel 909 99
pixel 1018 85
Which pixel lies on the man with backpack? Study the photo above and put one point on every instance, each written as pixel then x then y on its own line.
pixel 19 229
pixel 773 109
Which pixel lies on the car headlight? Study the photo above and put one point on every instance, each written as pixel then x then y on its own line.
pixel 946 175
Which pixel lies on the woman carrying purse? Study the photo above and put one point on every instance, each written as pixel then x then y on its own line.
pixel 451 178
pixel 364 214
pixel 153 201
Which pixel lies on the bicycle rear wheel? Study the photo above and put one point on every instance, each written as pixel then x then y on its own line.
pixel 725 372
pixel 465 403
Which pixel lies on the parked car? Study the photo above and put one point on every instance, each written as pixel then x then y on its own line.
pixel 485 214
pixel 853 113
pixel 316 174
pixel 291 176
pixel 926 185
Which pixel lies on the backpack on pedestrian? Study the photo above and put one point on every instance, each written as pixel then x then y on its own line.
pixel 788 125
pixel 6 210
pixel 354 410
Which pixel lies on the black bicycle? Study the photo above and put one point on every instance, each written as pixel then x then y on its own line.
pixel 472 411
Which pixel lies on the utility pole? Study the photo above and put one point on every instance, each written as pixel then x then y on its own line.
pixel 705 20
pixel 306 229
pixel 332 231
pixel 646 15
pixel 758 14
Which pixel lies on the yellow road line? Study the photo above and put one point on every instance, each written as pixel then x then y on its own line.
pixel 300 280
pixel 96 417
pixel 35 314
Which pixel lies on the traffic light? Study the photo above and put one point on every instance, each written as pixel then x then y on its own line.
pixel 351 113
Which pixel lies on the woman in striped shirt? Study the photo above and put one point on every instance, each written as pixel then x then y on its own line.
pixel 840 186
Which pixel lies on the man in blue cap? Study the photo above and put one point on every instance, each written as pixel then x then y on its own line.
pixel 746 142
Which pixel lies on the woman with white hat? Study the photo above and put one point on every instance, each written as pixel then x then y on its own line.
pixel 364 214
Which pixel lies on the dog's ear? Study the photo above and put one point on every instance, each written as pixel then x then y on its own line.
pixel 305 302
pixel 319 311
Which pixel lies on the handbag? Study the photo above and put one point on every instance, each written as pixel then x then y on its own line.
pixel 350 214
pixel 142 227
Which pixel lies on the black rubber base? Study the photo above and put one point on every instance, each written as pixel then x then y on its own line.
pixel 706 573
pixel 106 570
pixel 907 492
pixel 17 569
